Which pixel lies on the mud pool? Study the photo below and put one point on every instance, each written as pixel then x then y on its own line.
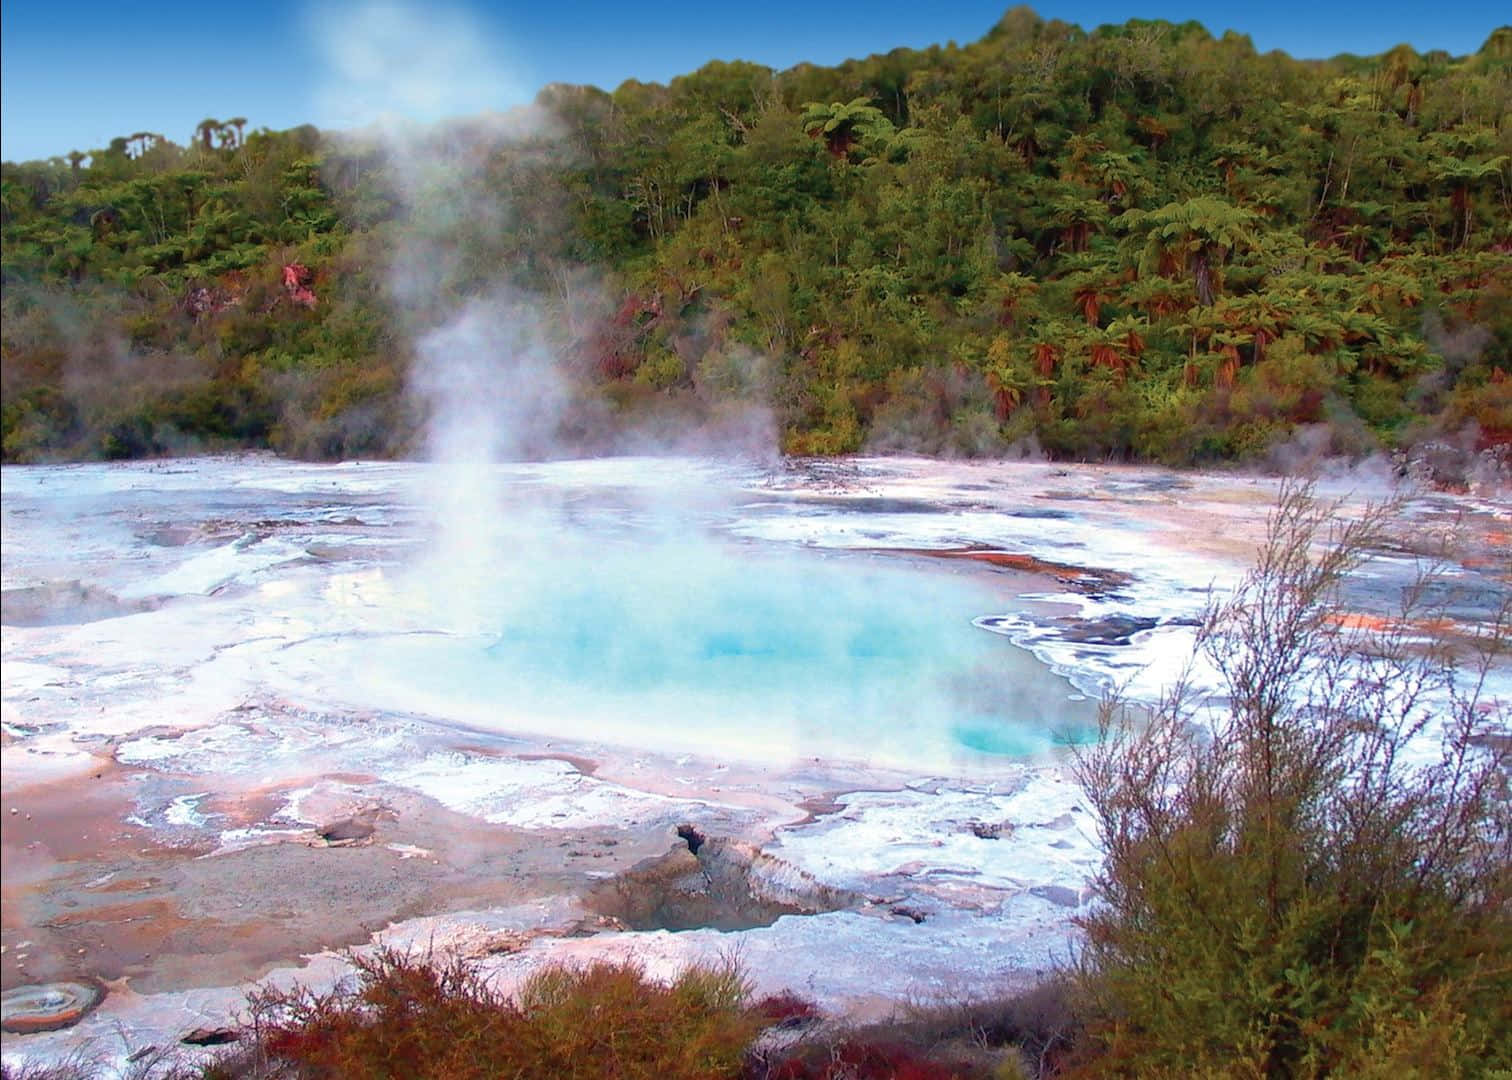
pixel 257 712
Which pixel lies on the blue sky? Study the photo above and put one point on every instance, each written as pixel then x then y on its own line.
pixel 75 73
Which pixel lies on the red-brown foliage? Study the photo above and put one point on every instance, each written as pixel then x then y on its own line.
pixel 863 1059
pixel 786 1008
pixel 407 1017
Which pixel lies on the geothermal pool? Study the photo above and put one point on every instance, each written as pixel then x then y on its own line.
pixel 255 712
pixel 656 604
pixel 688 643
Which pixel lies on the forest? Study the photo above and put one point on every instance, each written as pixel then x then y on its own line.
pixel 1139 242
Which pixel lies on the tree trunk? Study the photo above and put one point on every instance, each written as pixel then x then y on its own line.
pixel 1202 276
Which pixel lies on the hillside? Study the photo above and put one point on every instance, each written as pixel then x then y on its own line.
pixel 1135 242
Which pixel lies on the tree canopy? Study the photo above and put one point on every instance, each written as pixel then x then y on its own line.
pixel 1139 241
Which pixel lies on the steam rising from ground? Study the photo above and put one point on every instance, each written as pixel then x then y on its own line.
pixel 443 100
pixel 484 365
pixel 483 362
pixel 504 566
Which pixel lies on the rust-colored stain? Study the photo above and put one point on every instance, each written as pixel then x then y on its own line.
pixel 1359 620
pixel 1080 576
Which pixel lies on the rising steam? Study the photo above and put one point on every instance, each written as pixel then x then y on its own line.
pixel 395 65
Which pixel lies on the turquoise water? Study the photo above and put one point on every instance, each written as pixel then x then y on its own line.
pixel 798 654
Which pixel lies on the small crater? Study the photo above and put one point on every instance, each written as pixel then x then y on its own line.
pixel 346 832
pixel 64 603
pixel 709 882
pixel 48 1006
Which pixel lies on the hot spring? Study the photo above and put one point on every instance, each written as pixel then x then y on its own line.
pixel 592 603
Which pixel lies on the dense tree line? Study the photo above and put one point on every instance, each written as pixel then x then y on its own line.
pixel 1140 241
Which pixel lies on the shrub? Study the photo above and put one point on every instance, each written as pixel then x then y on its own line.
pixel 412 1018
pixel 869 1056
pixel 1311 879
pixel 1023 1034
pixel 787 1009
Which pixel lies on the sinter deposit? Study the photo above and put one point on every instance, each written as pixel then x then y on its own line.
pixel 815 714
